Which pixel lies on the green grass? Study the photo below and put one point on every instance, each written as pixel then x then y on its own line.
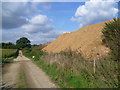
pixel 62 78
pixel 23 83
pixel 70 70
pixel 8 52
pixel 7 55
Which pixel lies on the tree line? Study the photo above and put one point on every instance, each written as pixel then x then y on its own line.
pixel 20 44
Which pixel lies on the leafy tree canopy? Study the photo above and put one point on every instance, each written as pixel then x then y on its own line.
pixel 23 43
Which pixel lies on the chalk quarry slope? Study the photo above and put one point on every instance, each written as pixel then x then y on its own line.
pixel 88 40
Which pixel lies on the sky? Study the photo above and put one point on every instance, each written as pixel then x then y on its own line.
pixel 43 22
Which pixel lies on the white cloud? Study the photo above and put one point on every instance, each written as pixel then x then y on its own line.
pixel 15 14
pixel 35 38
pixel 94 11
pixel 39 23
pixel 16 19
pixel 40 37
pixel 33 28
pixel 39 19
pixel 49 0
pixel 44 37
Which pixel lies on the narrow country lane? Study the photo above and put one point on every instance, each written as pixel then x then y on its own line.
pixel 34 76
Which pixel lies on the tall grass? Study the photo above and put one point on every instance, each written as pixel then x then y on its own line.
pixel 8 54
pixel 70 70
pixel 101 73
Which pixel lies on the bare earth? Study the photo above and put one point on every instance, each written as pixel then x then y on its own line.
pixel 87 40
pixel 34 76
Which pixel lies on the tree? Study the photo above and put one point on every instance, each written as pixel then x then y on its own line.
pixel 7 45
pixel 111 34
pixel 23 43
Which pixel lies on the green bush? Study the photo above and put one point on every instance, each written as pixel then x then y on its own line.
pixel 111 34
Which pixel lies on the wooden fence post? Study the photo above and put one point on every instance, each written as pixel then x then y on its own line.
pixel 94 66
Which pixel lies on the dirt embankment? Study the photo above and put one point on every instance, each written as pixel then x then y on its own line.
pixel 88 40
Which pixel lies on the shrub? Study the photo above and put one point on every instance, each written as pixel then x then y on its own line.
pixel 105 75
pixel 111 34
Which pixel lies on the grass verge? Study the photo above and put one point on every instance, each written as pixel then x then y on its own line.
pixel 70 70
pixel 60 77
pixel 7 55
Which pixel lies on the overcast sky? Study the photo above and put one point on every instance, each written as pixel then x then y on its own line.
pixel 44 22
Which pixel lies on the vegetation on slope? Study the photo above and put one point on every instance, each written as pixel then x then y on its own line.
pixel 111 36
pixel 7 55
pixel 70 70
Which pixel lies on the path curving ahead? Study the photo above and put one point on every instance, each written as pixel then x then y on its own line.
pixel 34 76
